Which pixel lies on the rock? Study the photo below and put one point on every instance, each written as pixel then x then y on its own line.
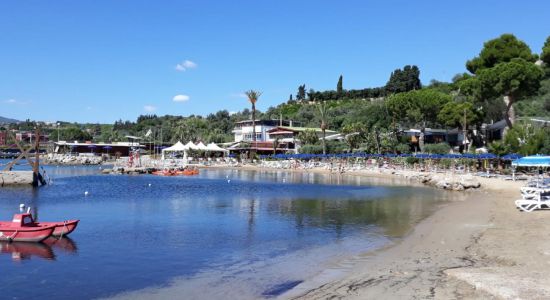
pixel 15 177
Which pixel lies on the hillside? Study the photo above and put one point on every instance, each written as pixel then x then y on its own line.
pixel 4 120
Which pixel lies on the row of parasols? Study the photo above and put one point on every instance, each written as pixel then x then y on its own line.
pixel 392 155
pixel 516 159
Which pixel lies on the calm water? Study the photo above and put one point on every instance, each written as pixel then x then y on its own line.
pixel 263 231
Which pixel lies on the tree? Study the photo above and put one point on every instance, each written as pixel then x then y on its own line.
pixel 311 95
pixel 545 55
pixel 339 85
pixel 355 134
pixel 276 141
pixel 253 96
pixel 308 137
pixel 514 80
pixel 500 50
pixel 404 80
pixel 323 117
pixel 301 93
pixel 417 107
pixel 459 114
pixel 74 134
pixel 504 68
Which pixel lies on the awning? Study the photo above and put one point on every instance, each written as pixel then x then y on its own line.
pixel 215 148
pixel 532 161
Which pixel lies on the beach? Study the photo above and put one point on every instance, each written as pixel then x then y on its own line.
pixel 480 248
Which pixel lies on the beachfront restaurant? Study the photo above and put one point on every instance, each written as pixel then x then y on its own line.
pixel 115 149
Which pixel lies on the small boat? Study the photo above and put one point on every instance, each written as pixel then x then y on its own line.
pixel 164 173
pixel 188 172
pixel 22 228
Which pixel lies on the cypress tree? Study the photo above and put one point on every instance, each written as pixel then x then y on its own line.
pixel 339 86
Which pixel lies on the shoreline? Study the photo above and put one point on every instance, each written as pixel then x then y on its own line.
pixel 447 255
pixel 460 251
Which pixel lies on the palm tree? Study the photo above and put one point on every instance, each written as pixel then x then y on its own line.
pixel 253 98
pixel 323 116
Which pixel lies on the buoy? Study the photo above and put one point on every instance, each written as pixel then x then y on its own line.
pixel 86 193
pixel 149 184
pixel 228 180
pixel 21 207
pixel 284 179
pixel 226 176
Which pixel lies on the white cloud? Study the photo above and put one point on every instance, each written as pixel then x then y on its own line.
pixel 181 98
pixel 186 65
pixel 149 108
pixel 238 95
pixel 11 101
pixel 88 108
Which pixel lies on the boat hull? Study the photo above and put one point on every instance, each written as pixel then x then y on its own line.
pixel 25 234
pixel 62 228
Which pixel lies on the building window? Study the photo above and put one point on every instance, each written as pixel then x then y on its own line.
pixel 248 136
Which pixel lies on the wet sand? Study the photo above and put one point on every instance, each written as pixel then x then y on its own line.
pixel 480 248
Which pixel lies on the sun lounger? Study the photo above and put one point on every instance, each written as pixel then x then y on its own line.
pixel 529 205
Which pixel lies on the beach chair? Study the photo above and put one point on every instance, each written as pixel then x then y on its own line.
pixel 533 198
pixel 529 205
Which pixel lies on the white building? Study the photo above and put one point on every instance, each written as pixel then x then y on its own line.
pixel 243 129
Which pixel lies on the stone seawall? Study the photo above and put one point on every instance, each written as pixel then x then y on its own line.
pixel 15 177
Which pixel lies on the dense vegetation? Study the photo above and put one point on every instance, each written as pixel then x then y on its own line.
pixel 503 82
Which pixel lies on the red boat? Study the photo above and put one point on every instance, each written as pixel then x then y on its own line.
pixel 22 228
pixel 164 173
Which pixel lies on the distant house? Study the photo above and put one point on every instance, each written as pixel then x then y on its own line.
pixel 243 129
pixel 3 138
pixel 495 131
pixel 286 137
pixel 30 137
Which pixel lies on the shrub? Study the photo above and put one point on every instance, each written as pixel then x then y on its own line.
pixel 312 149
pixel 441 148
pixel 403 148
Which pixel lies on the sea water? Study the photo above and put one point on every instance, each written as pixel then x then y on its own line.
pixel 248 233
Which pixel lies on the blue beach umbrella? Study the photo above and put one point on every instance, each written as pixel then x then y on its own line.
pixel 511 156
pixel 532 161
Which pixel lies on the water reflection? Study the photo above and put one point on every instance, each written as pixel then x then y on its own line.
pixel 20 251
pixel 23 251
pixel 64 244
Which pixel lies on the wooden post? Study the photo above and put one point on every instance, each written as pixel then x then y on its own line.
pixel 35 166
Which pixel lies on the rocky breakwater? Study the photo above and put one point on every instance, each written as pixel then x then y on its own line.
pixel 57 159
pixel 15 177
pixel 446 181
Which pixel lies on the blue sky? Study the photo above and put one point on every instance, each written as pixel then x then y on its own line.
pixel 100 61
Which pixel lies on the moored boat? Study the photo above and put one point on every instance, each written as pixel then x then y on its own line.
pixel 22 228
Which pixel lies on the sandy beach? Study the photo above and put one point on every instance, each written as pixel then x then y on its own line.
pixel 477 247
